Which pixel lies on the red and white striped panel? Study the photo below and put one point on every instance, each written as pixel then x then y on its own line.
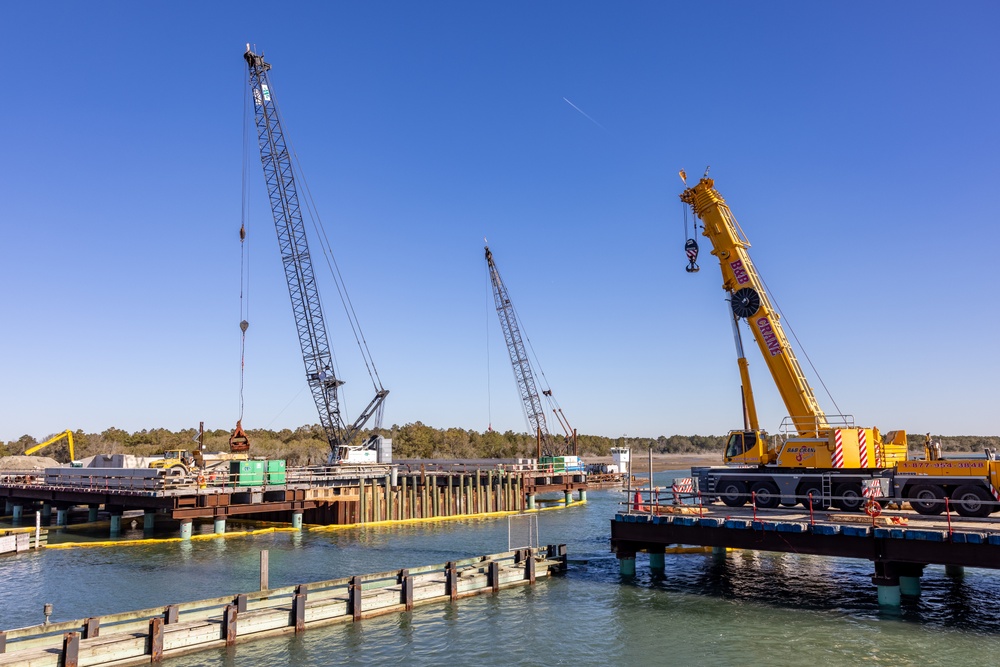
pixel 681 485
pixel 863 447
pixel 994 492
pixel 838 449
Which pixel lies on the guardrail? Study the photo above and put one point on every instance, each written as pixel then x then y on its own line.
pixel 138 637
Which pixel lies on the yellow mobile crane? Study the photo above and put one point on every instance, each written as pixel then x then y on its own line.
pixel 823 455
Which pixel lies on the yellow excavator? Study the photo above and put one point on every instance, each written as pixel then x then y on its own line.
pixel 56 438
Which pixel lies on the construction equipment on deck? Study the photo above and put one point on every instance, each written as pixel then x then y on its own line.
pixel 302 289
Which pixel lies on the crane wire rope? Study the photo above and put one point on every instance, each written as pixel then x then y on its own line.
pixel 489 390
pixel 331 261
pixel 244 246
pixel 802 349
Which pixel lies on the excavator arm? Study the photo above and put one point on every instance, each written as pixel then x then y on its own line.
pixel 65 434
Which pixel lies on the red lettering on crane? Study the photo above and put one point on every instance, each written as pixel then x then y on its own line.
pixel 742 277
pixel 770 338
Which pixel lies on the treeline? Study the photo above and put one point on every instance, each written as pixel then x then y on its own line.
pixel 307 444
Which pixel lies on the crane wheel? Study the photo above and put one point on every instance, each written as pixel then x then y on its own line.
pixel 766 495
pixel 817 496
pixel 926 499
pixel 733 493
pixel 973 501
pixel 848 497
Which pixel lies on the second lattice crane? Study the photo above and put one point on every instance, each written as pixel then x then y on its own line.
pixel 524 375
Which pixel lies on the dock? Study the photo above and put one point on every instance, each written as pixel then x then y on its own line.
pixel 317 495
pixel 899 543
pixel 149 635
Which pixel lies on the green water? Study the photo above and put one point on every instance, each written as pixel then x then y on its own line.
pixel 746 609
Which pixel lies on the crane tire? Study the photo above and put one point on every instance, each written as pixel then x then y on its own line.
pixel 733 493
pixel 767 496
pixel 973 501
pixel 817 496
pixel 926 499
pixel 848 497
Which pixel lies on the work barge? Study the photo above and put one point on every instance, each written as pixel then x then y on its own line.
pixel 899 543
pixel 321 495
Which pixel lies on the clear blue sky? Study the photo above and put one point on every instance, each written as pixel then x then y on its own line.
pixel 856 143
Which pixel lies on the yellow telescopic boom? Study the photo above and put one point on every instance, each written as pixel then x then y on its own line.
pixel 750 302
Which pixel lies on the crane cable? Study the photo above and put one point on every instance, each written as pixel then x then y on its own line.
pixel 244 249
pixel 489 389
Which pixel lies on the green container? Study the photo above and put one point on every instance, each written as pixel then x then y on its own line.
pixel 276 472
pixel 246 473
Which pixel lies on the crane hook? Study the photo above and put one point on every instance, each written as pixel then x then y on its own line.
pixel 691 248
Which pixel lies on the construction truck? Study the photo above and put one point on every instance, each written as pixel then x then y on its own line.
pixel 816 459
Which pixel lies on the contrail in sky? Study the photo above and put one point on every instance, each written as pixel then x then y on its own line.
pixel 584 114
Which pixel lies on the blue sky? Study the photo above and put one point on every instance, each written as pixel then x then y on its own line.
pixel 856 143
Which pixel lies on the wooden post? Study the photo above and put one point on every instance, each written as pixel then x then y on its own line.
pixel 302 589
pixel 155 639
pixel 355 595
pixel 529 567
pixel 241 602
pixel 407 592
pixel 388 498
pixel 495 575
pixel 264 584
pixel 71 650
pixel 299 611
pixel 170 614
pixel 404 496
pixel 451 580
pixel 3 641
pixel 229 624
pixel 447 496
pixel 91 628
pixel 489 491
pixel 362 505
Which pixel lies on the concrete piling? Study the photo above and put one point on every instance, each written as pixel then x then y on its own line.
pixel 220 526
pixel 626 566
pixel 18 512
pixel 956 571
pixel 657 561
pixel 186 529
pixel 297 520
pixel 92 513
pixel 61 516
pixel 148 521
pixel 116 525
pixel 909 586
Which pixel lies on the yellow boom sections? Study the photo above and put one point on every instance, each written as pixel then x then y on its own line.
pixel 741 281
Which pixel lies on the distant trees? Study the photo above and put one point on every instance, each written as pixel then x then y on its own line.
pixel 307 444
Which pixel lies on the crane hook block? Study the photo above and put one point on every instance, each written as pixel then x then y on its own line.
pixel 691 249
pixel 244 325
pixel 238 441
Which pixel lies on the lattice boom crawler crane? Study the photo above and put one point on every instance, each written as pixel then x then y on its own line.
pixel 302 289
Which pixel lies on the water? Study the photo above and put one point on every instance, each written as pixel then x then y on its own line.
pixel 750 608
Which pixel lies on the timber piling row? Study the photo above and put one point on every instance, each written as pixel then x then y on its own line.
pixel 149 635
pixel 341 495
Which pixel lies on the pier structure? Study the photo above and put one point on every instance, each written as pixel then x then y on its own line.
pixel 150 635
pixel 899 543
pixel 323 495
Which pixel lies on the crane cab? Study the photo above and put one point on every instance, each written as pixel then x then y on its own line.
pixel 748 448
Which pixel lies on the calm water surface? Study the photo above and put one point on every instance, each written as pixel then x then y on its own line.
pixel 747 609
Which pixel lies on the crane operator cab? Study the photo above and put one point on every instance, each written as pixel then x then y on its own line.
pixel 747 448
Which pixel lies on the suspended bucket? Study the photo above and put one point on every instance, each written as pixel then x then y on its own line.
pixel 238 441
